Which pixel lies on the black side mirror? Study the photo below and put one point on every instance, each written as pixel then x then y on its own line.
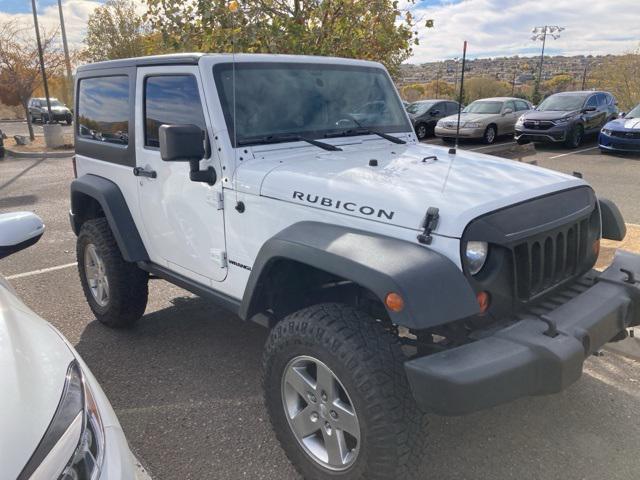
pixel 588 109
pixel 185 143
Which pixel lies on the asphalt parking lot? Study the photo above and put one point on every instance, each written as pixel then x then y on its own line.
pixel 185 382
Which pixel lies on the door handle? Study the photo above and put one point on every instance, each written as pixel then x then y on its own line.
pixel 141 172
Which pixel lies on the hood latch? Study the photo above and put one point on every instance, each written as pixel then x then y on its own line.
pixel 429 224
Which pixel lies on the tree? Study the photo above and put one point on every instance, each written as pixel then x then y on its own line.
pixel 433 89
pixel 484 87
pixel 619 75
pixel 559 83
pixel 20 72
pixel 369 29
pixel 115 30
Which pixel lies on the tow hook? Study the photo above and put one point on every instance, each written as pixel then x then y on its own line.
pixel 552 328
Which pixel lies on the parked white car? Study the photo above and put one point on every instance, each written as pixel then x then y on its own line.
pixel 55 420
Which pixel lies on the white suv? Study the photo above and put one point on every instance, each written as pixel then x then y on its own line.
pixel 396 278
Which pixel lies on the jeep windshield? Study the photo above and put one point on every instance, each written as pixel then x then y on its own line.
pixel 562 103
pixel 285 101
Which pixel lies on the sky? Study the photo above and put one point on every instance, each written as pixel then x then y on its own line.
pixel 492 27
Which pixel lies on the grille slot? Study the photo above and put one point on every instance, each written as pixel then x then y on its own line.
pixel 547 260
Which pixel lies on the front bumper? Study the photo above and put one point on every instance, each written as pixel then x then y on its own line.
pixel 464 132
pixel 618 144
pixel 522 359
pixel 554 134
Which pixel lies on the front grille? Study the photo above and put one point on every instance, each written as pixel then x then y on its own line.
pixel 626 146
pixel 538 125
pixel 631 135
pixel 547 260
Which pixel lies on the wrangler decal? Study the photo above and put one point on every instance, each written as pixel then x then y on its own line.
pixel 342 205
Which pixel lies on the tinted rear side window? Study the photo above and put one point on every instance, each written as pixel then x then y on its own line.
pixel 103 109
pixel 170 100
pixel 520 105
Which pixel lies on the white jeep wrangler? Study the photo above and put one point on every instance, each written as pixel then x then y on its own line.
pixel 397 279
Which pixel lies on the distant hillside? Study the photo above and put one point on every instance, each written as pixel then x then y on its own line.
pixel 524 69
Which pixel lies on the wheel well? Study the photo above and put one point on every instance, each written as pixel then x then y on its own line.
pixel 287 286
pixel 84 208
pixel 495 127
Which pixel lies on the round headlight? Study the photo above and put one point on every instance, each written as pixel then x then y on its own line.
pixel 476 255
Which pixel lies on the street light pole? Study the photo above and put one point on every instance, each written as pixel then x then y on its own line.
pixel 67 61
pixel 540 33
pixel 41 56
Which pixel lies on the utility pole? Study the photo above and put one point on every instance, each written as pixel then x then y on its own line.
pixel 513 80
pixel 540 33
pixel 584 76
pixel 438 82
pixel 65 46
pixel 41 56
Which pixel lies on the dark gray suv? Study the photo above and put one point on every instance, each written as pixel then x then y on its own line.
pixel 567 117
pixel 38 111
pixel 424 114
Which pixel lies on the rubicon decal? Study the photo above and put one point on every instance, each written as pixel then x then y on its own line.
pixel 342 205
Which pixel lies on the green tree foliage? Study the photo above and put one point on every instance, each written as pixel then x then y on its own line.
pixel 619 75
pixel 484 87
pixel 115 30
pixel 559 83
pixel 422 91
pixel 368 29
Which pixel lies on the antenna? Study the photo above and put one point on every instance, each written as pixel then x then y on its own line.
pixel 233 8
pixel 453 150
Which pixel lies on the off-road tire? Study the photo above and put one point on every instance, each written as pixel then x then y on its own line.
pixel 368 361
pixel 128 284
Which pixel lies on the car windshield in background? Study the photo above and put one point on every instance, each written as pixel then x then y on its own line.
pixel 489 108
pixel 56 103
pixel 276 101
pixel 635 113
pixel 418 108
pixel 562 103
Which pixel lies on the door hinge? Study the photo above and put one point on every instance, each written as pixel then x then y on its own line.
pixel 216 199
pixel 219 257
pixel 220 202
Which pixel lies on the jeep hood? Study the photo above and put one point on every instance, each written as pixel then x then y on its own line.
pixel 406 181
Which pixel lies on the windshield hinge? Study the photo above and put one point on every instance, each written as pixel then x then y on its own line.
pixel 429 224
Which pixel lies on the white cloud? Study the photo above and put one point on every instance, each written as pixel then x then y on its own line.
pixel 503 27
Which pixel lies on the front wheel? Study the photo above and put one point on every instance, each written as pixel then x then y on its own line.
pixel 115 289
pixel 338 397
pixel 574 137
pixel 490 135
pixel 421 131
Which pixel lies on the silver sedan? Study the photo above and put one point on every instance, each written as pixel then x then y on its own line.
pixel 484 119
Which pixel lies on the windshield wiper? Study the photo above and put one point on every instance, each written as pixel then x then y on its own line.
pixel 364 131
pixel 288 138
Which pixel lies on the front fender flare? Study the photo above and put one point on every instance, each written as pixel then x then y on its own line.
pixel 434 289
pixel 115 209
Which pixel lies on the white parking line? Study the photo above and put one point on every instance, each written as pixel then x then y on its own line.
pixel 573 153
pixel 41 271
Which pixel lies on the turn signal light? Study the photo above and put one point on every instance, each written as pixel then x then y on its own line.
pixel 484 301
pixel 394 302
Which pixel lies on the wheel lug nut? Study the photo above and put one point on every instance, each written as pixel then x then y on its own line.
pixel 314 417
pixel 324 396
pixel 312 397
pixel 334 415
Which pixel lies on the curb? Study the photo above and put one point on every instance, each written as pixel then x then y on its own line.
pixel 629 347
pixel 55 154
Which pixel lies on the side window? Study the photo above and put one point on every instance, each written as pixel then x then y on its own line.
pixel 103 109
pixel 592 102
pixel 521 105
pixel 611 99
pixel 440 108
pixel 452 108
pixel 510 105
pixel 602 99
pixel 170 100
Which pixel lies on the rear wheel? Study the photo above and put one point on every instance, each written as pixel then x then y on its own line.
pixel 338 396
pixel 574 137
pixel 116 290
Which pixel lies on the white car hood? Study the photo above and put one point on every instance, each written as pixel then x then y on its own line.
pixel 33 365
pixel 402 186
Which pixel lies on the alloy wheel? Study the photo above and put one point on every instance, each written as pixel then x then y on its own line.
pixel 422 131
pixel 96 275
pixel 320 413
